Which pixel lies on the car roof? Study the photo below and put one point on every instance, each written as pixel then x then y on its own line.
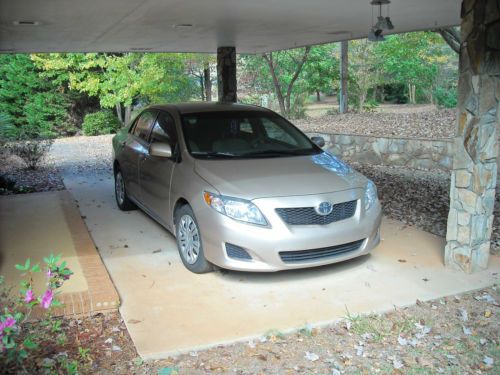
pixel 200 107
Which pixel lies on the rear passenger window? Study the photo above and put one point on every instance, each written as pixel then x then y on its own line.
pixel 143 124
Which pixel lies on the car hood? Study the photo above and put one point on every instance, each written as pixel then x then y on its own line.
pixel 280 176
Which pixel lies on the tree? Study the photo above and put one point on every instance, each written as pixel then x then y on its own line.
pixel 200 66
pixel 364 69
pixel 411 59
pixel 35 105
pixel 321 70
pixel 285 67
pixel 344 63
pixel 124 79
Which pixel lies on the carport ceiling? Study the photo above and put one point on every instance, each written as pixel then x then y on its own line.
pixel 163 25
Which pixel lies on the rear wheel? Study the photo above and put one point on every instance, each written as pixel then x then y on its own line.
pixel 122 200
pixel 189 241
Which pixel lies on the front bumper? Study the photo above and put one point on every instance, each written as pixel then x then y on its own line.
pixel 264 244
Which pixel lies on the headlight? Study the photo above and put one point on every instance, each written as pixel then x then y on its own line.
pixel 370 195
pixel 237 209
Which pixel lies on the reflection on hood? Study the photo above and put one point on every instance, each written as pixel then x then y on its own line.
pixel 332 163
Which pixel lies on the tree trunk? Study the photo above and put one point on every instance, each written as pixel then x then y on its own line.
pixel 343 77
pixel 277 86
pixel 451 36
pixel 128 114
pixel 318 96
pixel 208 83
pixel 202 89
pixel 119 113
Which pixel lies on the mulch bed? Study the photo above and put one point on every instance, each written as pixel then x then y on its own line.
pixel 422 124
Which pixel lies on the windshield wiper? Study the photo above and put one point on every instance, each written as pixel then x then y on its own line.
pixel 214 154
pixel 277 152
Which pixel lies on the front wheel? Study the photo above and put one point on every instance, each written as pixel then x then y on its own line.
pixel 189 241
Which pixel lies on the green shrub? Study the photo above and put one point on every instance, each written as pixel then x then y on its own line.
pixel 370 105
pixel 102 122
pixel 445 97
pixel 8 131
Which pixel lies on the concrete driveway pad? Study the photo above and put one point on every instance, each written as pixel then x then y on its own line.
pixel 169 310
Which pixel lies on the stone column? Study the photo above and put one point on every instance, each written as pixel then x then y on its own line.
pixel 226 74
pixel 474 174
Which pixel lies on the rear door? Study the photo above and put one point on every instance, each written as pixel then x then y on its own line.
pixel 135 148
pixel 156 172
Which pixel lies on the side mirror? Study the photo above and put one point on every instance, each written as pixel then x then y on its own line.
pixel 319 141
pixel 160 149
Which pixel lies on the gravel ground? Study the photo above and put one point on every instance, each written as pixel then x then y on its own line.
pixel 418 124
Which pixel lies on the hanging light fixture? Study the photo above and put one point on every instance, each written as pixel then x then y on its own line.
pixel 383 23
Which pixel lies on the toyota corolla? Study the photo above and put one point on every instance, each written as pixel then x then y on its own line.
pixel 242 188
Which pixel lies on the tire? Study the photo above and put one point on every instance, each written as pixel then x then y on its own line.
pixel 189 244
pixel 122 200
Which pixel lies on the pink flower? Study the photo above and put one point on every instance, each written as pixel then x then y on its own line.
pixel 47 298
pixel 29 296
pixel 49 273
pixel 9 322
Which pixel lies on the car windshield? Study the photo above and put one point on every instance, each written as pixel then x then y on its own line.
pixel 243 135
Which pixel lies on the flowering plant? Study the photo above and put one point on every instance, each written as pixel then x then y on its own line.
pixel 16 309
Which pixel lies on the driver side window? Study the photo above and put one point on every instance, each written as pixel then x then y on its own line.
pixel 164 130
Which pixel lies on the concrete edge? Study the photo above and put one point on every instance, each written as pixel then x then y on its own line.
pixel 321 324
pixel 102 294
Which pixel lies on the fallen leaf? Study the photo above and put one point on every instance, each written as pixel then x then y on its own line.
pixel 311 356
pixel 402 260
pixel 467 331
pixel 397 364
pixel 133 321
pixel 463 315
pixel 488 361
pixel 487 314
pixel 402 341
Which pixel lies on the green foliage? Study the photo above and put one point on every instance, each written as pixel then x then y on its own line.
pixel 8 131
pixel 16 342
pixel 35 105
pixel 321 71
pixel 102 122
pixel 445 97
pixel 123 79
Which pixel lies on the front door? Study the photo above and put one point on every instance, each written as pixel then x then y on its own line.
pixel 156 172
pixel 134 149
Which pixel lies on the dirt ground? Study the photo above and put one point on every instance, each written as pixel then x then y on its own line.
pixel 452 335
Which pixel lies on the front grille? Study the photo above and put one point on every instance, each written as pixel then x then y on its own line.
pixel 309 216
pixel 237 252
pixel 319 254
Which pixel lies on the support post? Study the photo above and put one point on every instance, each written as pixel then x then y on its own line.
pixel 343 76
pixel 226 74
pixel 474 175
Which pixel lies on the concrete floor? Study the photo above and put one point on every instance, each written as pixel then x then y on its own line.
pixel 35 225
pixel 169 310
